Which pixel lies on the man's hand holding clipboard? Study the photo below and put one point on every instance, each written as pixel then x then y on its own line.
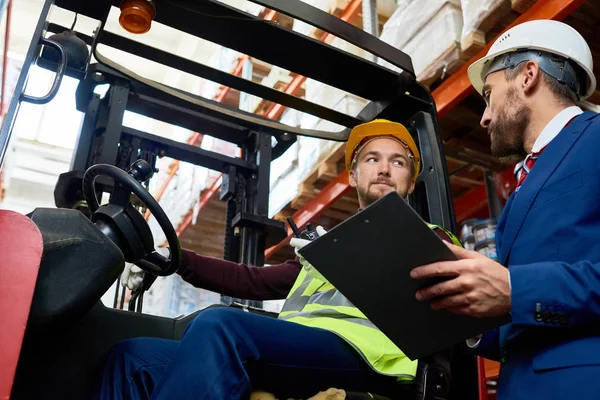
pixel 476 286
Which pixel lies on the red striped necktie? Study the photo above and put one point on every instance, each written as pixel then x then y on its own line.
pixel 528 164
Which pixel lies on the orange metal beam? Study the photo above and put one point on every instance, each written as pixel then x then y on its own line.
pixel 492 369
pixel 481 379
pixel 315 208
pixel 453 91
pixel 275 111
pixel 270 15
pixel 457 87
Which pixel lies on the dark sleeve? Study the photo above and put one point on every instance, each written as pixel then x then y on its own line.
pixel 442 235
pixel 239 280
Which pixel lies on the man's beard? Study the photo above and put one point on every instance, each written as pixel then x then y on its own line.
pixel 368 197
pixel 509 128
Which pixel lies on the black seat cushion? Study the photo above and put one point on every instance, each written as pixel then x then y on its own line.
pixel 79 264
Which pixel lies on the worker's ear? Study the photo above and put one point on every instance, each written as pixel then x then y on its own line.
pixel 352 177
pixel 411 186
pixel 530 77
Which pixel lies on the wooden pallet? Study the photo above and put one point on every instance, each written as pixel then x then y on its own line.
pixel 443 66
pixel 207 235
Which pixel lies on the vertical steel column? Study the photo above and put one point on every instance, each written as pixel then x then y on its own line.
pixel 370 21
pixel 117 97
pixel 82 157
pixel 232 190
pixel 252 240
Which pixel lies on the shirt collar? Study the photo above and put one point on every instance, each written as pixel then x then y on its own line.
pixel 554 127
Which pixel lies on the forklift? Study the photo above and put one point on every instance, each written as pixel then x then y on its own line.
pixel 60 342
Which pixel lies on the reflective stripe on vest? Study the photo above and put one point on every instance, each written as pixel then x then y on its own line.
pixel 318 304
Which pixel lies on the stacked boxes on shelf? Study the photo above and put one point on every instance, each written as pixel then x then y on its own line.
pixel 485 237
pixel 466 233
pixel 429 31
pixel 479 16
pixel 480 235
pixel 440 35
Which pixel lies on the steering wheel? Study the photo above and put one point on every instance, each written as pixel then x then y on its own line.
pixel 124 224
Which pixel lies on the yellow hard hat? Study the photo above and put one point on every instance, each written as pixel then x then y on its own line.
pixel 381 127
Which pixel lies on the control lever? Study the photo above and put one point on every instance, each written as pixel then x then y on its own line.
pixel 137 297
pixel 309 233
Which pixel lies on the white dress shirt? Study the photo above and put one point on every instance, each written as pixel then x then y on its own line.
pixel 550 131
pixel 554 127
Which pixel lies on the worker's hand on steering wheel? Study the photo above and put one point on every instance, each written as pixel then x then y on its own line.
pixel 297 244
pixel 133 276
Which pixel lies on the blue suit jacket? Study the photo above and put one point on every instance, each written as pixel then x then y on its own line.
pixel 549 237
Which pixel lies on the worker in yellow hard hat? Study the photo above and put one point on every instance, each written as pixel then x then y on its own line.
pixel 381 156
pixel 319 340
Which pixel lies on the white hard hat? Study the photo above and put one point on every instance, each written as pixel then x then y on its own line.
pixel 545 35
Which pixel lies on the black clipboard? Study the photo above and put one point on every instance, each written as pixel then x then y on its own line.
pixel 368 258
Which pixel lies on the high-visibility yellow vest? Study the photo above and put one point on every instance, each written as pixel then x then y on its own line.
pixel 317 303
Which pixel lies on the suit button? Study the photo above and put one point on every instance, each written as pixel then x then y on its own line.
pixel 538 316
pixel 538 312
pixel 503 358
pixel 546 316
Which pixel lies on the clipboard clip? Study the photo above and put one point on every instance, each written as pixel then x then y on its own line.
pixel 308 234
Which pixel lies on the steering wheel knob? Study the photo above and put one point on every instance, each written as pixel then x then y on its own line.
pixel 141 170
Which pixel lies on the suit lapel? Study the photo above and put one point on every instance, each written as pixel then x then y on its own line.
pixel 542 170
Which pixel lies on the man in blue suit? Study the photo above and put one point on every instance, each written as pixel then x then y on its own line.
pixel 549 233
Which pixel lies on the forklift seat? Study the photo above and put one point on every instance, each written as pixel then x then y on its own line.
pixel 80 264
